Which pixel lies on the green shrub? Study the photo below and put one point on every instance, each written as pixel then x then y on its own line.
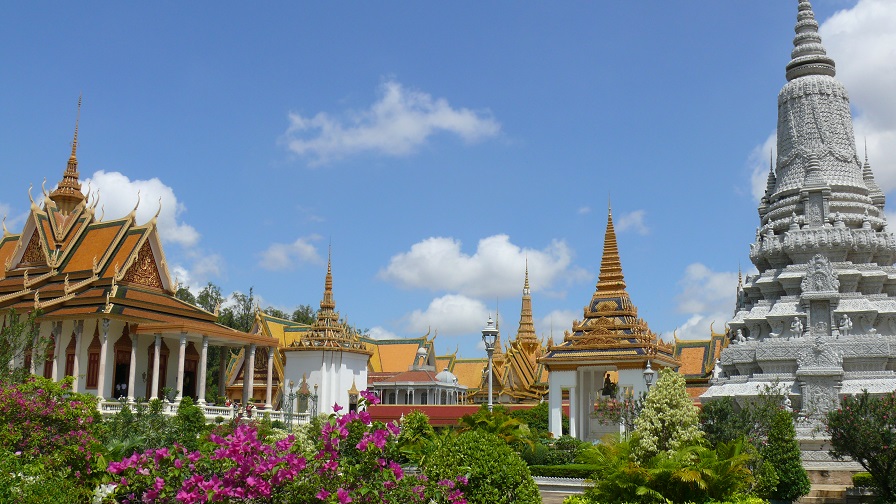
pixel 497 475
pixel 783 452
pixel 862 479
pixel 668 420
pixel 583 471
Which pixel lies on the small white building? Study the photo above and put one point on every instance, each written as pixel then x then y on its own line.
pixel 330 357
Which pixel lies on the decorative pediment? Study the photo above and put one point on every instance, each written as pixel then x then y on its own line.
pixel 144 270
pixel 34 251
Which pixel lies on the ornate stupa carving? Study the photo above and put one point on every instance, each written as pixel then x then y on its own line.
pixel 610 327
pixel 820 316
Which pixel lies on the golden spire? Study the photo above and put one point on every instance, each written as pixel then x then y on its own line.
pixel 68 194
pixel 610 278
pixel 526 331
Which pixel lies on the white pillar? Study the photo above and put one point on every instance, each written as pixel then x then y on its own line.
pixel 76 368
pixel 156 355
pixel 572 411
pixel 270 384
pixel 132 369
pixel 249 375
pixel 57 351
pixel 180 365
pixel 104 347
pixel 203 370
pixel 555 401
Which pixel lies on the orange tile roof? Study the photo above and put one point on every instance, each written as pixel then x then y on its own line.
pixel 7 246
pixel 469 371
pixel 397 356
pixel 127 247
pixel 692 359
pixel 96 241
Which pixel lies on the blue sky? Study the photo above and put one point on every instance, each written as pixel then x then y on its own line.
pixel 435 145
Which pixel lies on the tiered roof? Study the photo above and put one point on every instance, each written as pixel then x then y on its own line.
pixel 328 332
pixel 68 263
pixel 610 331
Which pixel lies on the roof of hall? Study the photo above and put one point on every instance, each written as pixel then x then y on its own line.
pixel 68 263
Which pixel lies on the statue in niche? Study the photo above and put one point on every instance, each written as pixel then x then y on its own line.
pixel 717 370
pixel 788 406
pixel 845 325
pixel 796 328
pixel 820 276
pixel 739 337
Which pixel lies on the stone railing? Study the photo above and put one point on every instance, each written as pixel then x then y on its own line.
pixel 213 413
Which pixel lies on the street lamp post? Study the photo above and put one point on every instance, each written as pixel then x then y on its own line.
pixel 314 402
pixel 489 336
pixel 649 374
pixel 290 403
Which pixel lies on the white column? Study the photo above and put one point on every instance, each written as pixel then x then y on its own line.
pixel 132 369
pixel 57 351
pixel 572 411
pixel 203 370
pixel 249 375
pixel 180 365
pixel 156 355
pixel 33 351
pixel 76 369
pixel 555 402
pixel 268 392
pixel 104 347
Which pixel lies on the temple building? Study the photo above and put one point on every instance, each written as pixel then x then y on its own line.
pixel 819 319
pixel 610 345
pixel 105 301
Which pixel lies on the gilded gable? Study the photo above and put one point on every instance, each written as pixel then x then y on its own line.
pixel 34 252
pixel 143 271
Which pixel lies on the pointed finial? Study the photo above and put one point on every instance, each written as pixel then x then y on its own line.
pixel 43 189
pixel 5 231
pixel 77 120
pixel 159 211
pixel 808 56
pixel 134 211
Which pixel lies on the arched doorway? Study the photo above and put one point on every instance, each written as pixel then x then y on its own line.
pixel 121 376
pixel 191 370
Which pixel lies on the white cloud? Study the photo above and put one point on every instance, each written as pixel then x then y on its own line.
pixel 380 333
pixel 495 269
pixel 585 210
pixel 707 297
pixel 396 125
pixel 118 195
pixel 632 220
pixel 556 322
pixel 862 40
pixel 283 256
pixel 451 315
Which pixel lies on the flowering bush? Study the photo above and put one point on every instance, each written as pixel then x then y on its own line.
pixel 864 428
pixel 350 466
pixel 44 421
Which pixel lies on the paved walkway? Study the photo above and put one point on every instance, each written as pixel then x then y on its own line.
pixel 554 490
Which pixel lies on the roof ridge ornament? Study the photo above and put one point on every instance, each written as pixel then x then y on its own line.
pixel 808 56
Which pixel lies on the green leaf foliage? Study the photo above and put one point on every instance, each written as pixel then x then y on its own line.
pixel 668 420
pixel 497 475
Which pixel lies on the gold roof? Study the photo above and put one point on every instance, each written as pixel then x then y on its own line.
pixel 328 332
pixel 610 326
pixel 68 194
